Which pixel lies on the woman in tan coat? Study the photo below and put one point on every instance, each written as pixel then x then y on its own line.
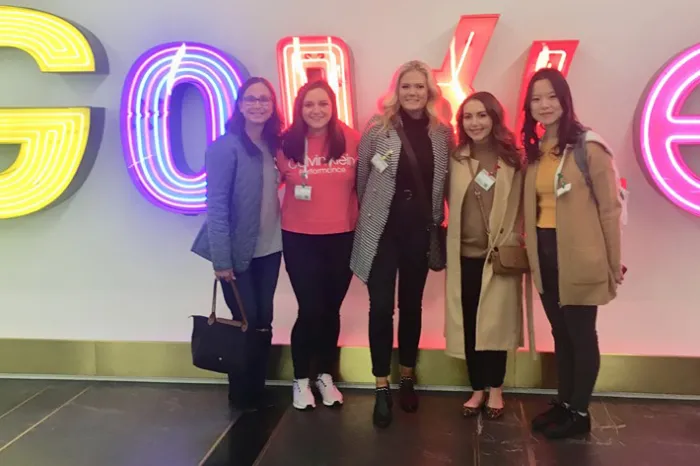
pixel 483 310
pixel 572 230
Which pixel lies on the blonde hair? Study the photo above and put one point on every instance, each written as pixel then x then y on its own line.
pixel 390 105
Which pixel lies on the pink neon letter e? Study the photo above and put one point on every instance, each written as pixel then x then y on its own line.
pixel 661 130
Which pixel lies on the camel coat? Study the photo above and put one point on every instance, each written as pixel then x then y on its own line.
pixel 588 236
pixel 499 322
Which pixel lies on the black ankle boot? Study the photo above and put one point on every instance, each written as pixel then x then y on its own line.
pixel 247 390
pixel 383 404
pixel 257 369
pixel 407 395
pixel 556 414
pixel 239 394
pixel 575 424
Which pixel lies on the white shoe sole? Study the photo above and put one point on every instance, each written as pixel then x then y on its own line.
pixel 303 407
pixel 334 404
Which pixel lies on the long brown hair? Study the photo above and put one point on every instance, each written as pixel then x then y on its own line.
pixel 501 136
pixel 294 137
pixel 569 127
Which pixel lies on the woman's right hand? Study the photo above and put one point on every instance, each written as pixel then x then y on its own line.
pixel 225 275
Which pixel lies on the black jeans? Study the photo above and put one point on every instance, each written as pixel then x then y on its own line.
pixel 256 287
pixel 403 249
pixel 573 329
pixel 485 368
pixel 319 271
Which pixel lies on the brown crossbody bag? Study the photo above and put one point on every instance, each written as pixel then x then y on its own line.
pixel 505 260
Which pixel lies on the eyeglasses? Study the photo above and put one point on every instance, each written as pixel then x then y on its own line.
pixel 251 100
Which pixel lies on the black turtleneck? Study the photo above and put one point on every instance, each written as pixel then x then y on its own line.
pixel 417 133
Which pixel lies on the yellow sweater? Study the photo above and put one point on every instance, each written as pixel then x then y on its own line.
pixel 544 185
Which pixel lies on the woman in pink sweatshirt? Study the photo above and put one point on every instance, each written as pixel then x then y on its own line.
pixel 319 211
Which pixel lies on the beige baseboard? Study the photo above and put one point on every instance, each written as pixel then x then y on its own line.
pixel 154 360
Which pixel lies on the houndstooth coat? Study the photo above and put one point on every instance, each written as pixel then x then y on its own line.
pixel 375 190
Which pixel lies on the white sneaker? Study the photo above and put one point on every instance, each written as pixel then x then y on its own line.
pixel 329 392
pixel 303 397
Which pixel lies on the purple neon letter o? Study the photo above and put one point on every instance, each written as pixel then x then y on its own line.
pixel 149 102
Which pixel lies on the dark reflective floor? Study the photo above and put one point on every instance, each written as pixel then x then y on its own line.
pixel 110 424
pixel 625 433
pixel 106 424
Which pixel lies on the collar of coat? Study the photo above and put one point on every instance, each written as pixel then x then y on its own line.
pixel 461 178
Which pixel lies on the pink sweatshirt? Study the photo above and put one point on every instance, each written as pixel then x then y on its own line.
pixel 333 207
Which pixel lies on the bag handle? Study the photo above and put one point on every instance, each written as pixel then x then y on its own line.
pixel 243 324
pixel 415 170
pixel 477 193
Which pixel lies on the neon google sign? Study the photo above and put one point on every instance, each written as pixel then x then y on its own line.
pixel 661 130
pixel 54 141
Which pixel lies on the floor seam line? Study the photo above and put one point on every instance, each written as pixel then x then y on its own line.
pixel 24 402
pixel 274 433
pixel 527 436
pixel 14 440
pixel 217 442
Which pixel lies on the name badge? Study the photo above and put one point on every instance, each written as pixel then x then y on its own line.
pixel 379 163
pixel 302 193
pixel 485 180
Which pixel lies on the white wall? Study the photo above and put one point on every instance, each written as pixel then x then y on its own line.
pixel 108 265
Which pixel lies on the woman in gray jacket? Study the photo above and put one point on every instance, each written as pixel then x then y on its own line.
pixel 242 235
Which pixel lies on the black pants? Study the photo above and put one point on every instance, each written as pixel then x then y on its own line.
pixel 256 287
pixel 319 271
pixel 485 368
pixel 403 249
pixel 573 329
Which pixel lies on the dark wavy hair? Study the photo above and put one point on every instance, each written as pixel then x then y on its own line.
pixel 293 139
pixel 569 127
pixel 501 137
pixel 272 128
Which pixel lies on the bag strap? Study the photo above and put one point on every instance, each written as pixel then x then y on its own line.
pixel 243 324
pixel 415 170
pixel 532 345
pixel 581 158
pixel 477 193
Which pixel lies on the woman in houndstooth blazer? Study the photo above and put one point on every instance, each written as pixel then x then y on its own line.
pixel 392 234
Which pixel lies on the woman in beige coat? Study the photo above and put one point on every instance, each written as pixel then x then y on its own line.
pixel 572 228
pixel 483 310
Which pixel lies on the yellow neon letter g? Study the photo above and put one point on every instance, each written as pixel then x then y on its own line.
pixel 52 140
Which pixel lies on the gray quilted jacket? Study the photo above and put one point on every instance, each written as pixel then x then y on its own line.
pixel 234 192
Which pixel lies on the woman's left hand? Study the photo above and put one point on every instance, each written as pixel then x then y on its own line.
pixel 621 276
